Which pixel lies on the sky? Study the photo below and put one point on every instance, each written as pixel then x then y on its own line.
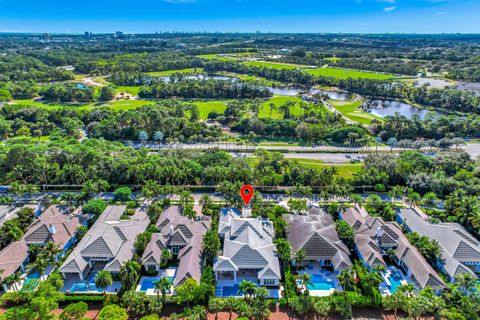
pixel 146 16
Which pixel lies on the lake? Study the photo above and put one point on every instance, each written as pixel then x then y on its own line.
pixel 383 108
pixel 293 91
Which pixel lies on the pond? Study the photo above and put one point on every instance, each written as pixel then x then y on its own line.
pixel 294 91
pixel 383 108
pixel 202 77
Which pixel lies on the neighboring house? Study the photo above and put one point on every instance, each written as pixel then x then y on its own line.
pixel 460 250
pixel 316 235
pixel 376 239
pixel 248 251
pixel 52 225
pixel 107 245
pixel 183 237
pixel 10 212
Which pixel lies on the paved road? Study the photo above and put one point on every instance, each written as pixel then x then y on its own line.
pixel 329 154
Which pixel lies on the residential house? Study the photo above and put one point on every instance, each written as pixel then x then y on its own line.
pixel 54 224
pixel 378 241
pixel 316 235
pixel 106 246
pixel 460 250
pixel 248 252
pixel 183 237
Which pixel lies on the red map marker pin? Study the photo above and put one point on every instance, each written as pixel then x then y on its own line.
pixel 247 193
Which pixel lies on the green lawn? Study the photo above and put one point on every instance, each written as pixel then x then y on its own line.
pixel 169 72
pixel 115 105
pixel 347 170
pixel 332 59
pixel 351 110
pixel 278 101
pixel 216 57
pixel 274 65
pixel 122 105
pixel 348 73
pixel 133 90
pixel 205 107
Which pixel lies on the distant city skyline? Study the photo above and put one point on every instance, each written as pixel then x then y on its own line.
pixel 149 16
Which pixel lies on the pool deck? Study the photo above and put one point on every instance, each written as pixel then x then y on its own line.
pixel 163 273
pixel 326 275
pixel 384 287
pixel 275 293
pixel 70 282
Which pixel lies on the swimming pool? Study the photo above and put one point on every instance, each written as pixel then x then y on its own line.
pixel 231 291
pixel 395 279
pixel 318 283
pixel 83 287
pixel 149 283
pixel 31 282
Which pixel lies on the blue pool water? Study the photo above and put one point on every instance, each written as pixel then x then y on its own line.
pixel 149 283
pixel 83 287
pixel 231 291
pixel 318 283
pixel 395 281
pixel 31 281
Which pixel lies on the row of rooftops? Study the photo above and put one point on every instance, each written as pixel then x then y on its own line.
pixel 174 229
pixel 54 224
pixel 374 236
pixel 110 237
pixel 459 248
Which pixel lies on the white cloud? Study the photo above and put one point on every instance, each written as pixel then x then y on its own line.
pixel 388 9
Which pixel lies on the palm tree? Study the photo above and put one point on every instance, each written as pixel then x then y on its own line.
pixel 13 280
pixel 346 279
pixel 50 251
pixel 373 279
pixel 38 266
pixel 396 192
pixel 356 199
pixel 299 257
pixel 129 273
pixel 103 280
pixel 272 107
pixel 306 280
pixel 413 199
pixel 407 289
pixel 247 288
pixel 466 282
pixel 163 285
pixel 205 201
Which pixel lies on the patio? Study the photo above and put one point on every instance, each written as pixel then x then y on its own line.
pixel 323 282
pixel 147 283
pixel 230 287
pixel 73 284
pixel 393 278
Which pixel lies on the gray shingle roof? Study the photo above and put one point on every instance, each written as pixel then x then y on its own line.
pixel 315 233
pixel 109 237
pixel 458 245
pixel 63 225
pixel 374 236
pixel 175 229
pixel 248 244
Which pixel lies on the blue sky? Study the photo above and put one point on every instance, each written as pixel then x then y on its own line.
pixel 369 16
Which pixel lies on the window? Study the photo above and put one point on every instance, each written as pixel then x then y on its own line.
pixel 269 282
pixel 151 267
pixel 327 262
pixel 175 249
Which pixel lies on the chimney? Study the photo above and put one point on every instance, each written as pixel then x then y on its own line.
pixel 379 232
pixel 52 229
pixel 171 230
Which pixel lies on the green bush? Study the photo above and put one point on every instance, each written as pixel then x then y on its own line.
pixel 16 298
pixel 84 297
pixel 94 206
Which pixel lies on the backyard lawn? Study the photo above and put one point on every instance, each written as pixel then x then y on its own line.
pixel 348 73
pixel 205 107
pixel 352 111
pixel 274 65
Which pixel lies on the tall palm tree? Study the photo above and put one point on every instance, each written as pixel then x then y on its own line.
pixel 466 282
pixel 13 280
pixel 299 257
pixel 346 279
pixel 103 280
pixel 38 266
pixel 129 273
pixel 247 288
pixel 50 251
pixel 413 199
pixel 205 201
pixel 162 286
pixel 306 280
pixel 407 289
pixel 396 192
